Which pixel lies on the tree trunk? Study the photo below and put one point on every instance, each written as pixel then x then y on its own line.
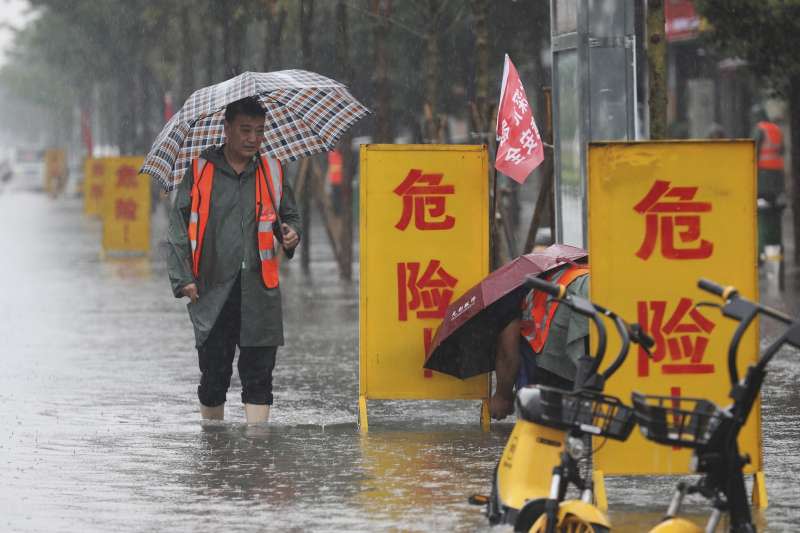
pixel 234 27
pixel 345 74
pixel 481 119
pixel 794 171
pixel 382 10
pixel 657 67
pixel 480 14
pixel 276 21
pixel 431 72
pixel 210 38
pixel 187 46
pixel 306 29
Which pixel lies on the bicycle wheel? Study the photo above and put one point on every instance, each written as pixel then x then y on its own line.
pixel 569 524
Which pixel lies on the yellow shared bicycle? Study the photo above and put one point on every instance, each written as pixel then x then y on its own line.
pixel 712 431
pixel 552 435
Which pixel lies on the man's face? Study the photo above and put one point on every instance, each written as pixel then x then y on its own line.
pixel 244 135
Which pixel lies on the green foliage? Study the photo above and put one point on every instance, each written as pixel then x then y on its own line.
pixel 762 32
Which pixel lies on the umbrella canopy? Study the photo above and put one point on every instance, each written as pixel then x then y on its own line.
pixel 465 342
pixel 306 114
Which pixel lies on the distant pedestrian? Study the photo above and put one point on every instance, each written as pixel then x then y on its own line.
pixel 769 149
pixel 335 179
pixel 771 179
pixel 232 212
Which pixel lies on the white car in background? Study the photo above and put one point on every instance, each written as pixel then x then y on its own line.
pixel 27 166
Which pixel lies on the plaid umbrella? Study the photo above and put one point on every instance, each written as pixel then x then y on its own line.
pixel 306 114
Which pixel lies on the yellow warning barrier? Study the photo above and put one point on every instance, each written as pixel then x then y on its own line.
pixel 424 242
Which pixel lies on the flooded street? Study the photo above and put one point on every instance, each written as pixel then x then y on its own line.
pixel 99 428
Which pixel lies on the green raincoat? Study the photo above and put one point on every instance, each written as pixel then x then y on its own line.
pixel 567 337
pixel 229 248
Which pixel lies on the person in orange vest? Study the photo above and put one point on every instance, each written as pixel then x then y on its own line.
pixel 542 342
pixel 232 215
pixel 335 179
pixel 771 180
pixel 769 150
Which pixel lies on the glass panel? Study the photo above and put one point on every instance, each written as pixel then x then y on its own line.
pixel 566 12
pixel 606 18
pixel 571 189
pixel 607 94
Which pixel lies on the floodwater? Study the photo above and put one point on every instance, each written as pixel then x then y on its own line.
pixel 99 429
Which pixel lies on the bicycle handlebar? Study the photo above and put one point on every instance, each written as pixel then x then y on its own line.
pixel 538 284
pixel 724 292
pixel 745 311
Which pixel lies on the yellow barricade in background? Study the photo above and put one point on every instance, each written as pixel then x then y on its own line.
pixel 55 170
pixel 125 206
pixel 424 242
pixel 661 216
pixel 94 173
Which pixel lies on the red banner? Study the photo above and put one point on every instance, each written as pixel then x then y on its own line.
pixel 519 146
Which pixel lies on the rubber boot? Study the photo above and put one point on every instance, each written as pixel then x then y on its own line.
pixel 212 413
pixel 256 414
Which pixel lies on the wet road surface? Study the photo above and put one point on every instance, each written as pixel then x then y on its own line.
pixel 99 427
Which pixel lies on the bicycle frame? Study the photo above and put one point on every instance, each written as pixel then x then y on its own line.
pixel 719 461
pixel 536 454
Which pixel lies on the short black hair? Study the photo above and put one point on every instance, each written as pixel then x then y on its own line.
pixel 246 106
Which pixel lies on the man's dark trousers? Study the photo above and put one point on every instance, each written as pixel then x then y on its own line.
pixel 216 359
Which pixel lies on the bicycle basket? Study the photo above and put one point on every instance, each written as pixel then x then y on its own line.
pixel 676 421
pixel 584 411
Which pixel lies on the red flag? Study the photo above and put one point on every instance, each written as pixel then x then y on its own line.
pixel 519 146
pixel 86 131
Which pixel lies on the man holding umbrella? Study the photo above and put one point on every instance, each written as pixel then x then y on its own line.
pixel 232 213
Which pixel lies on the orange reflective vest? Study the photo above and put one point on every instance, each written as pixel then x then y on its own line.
pixel 335 168
pixel 769 156
pixel 266 215
pixel 537 314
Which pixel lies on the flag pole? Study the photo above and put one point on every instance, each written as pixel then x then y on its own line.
pixel 493 222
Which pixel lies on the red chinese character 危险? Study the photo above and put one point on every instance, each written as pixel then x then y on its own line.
pixel 424 197
pixel 98 168
pixel 126 177
pixel 125 209
pixel 427 293
pixel 670 211
pixel 683 337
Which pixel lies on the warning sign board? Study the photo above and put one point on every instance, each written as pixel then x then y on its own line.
pixel 424 241
pixel 55 170
pixel 660 217
pixel 94 172
pixel 126 206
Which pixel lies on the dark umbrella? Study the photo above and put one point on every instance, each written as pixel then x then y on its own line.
pixel 464 344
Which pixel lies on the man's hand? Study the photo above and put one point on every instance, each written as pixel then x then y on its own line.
pixel 500 406
pixel 190 291
pixel 290 237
